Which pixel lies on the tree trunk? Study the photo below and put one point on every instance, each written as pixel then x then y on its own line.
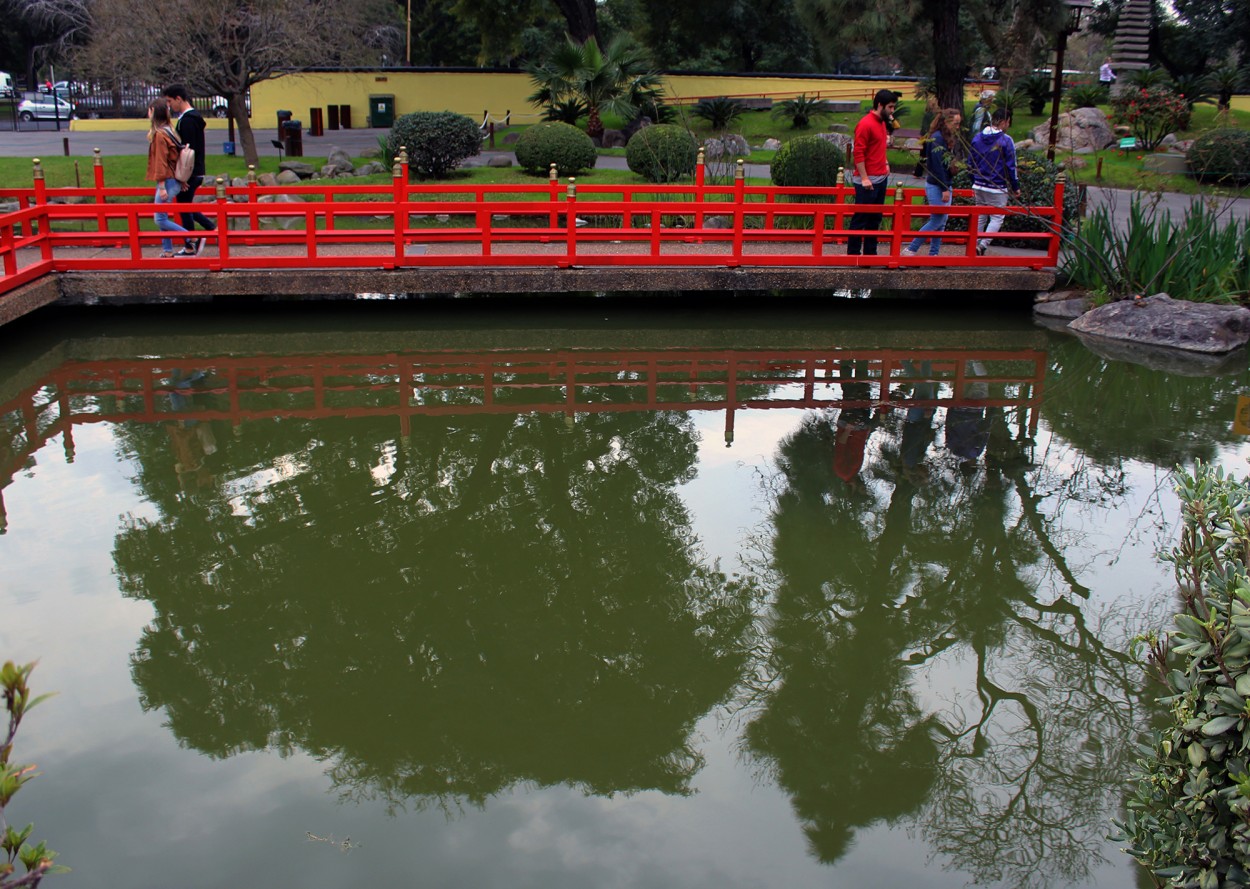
pixel 949 65
pixel 580 15
pixel 594 124
pixel 238 110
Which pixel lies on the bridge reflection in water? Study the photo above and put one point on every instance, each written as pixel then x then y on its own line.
pixel 463 383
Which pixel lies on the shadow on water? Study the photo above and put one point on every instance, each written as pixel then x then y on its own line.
pixel 386 543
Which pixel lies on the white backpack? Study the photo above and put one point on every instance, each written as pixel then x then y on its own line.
pixel 184 167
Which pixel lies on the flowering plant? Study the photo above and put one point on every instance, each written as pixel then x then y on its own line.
pixel 1151 113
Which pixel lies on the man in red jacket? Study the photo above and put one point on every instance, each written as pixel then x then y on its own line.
pixel 872 170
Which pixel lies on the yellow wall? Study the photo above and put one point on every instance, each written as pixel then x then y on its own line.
pixel 475 92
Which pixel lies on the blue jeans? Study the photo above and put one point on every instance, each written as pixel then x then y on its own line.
pixel 163 222
pixel 936 223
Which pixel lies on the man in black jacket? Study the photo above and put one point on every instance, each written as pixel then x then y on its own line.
pixel 190 128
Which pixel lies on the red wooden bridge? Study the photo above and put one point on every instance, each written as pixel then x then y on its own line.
pixel 99 241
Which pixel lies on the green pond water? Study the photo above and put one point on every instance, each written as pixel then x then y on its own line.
pixel 592 596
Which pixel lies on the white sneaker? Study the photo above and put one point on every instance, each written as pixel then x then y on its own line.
pixel 907 251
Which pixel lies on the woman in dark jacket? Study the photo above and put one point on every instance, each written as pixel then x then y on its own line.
pixel 936 158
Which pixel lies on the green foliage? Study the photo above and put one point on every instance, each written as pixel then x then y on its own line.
pixel 616 79
pixel 545 144
pixel 1151 113
pixel 1010 98
pixel 662 153
pixel 1188 819
pixel 1192 88
pixel 802 111
pixel 1040 90
pixel 36 859
pixel 1204 257
pixel 437 141
pixel 719 113
pixel 1085 95
pixel 807 161
pixel 1149 78
pixel 1221 156
pixel 568 111
pixel 1225 80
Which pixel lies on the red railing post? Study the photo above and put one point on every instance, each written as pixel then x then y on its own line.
pixel 740 185
pixel 699 197
pixel 41 199
pixel 900 221
pixel 253 220
pixel 399 191
pixel 553 187
pixel 1052 255
pixel 570 221
pixel 483 216
pixel 97 174
pixel 222 232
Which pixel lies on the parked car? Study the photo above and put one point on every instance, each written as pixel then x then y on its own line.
pixel 6 85
pixel 41 108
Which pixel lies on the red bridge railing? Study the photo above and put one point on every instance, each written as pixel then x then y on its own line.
pixel 553 224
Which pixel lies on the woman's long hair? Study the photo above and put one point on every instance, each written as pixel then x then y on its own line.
pixel 160 116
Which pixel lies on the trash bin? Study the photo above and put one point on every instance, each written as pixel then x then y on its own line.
pixel 293 136
pixel 227 148
pixel 283 117
pixel 382 111
pixel 345 116
pixel 315 125
pixel 333 122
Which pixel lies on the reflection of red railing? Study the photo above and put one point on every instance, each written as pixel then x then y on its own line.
pixel 372 226
pixel 238 390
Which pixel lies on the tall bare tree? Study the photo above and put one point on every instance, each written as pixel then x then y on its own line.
pixel 50 28
pixel 224 47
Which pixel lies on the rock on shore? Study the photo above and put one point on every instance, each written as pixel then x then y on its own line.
pixel 1159 320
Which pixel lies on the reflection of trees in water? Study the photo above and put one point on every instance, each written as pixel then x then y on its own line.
pixel 497 599
pixel 1015 777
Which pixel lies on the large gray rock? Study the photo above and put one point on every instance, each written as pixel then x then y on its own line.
pixel 726 146
pixel 613 139
pixel 340 160
pixel 299 168
pixel 1078 128
pixel 1063 308
pixel 1160 320
pixel 841 140
pixel 288 177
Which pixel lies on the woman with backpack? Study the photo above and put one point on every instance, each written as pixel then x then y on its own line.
pixel 935 156
pixel 163 150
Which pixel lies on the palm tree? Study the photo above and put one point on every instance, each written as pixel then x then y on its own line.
pixel 617 79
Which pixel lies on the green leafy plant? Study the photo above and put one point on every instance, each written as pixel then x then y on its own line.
pixel 437 141
pixel 1192 88
pixel 1202 257
pixel 568 111
pixel 1011 98
pixel 719 113
pixel 561 144
pixel 802 111
pixel 1221 156
pixel 37 859
pixel 616 78
pixel 1151 113
pixel 1039 89
pixel 807 161
pixel 1225 80
pixel 1085 95
pixel 662 153
pixel 1149 78
pixel 1188 818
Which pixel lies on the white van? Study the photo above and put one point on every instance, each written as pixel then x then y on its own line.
pixel 6 85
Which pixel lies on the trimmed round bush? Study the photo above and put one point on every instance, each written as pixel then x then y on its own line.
pixel 1221 155
pixel 807 161
pixel 437 141
pixel 662 153
pixel 545 144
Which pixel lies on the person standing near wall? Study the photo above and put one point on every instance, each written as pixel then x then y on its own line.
pixel 190 127
pixel 872 171
pixel 994 177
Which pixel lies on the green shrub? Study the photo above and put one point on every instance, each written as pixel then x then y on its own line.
pixel 437 141
pixel 802 111
pixel 1039 89
pixel 1085 95
pixel 545 144
pixel 1151 113
pixel 1187 818
pixel 568 111
pixel 662 153
pixel 807 161
pixel 719 113
pixel 1221 155
pixel 1011 99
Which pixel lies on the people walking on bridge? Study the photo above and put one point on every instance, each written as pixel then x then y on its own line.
pixel 162 162
pixel 994 178
pixel 935 157
pixel 872 171
pixel 190 127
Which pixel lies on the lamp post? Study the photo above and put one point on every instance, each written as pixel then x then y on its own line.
pixel 1073 10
